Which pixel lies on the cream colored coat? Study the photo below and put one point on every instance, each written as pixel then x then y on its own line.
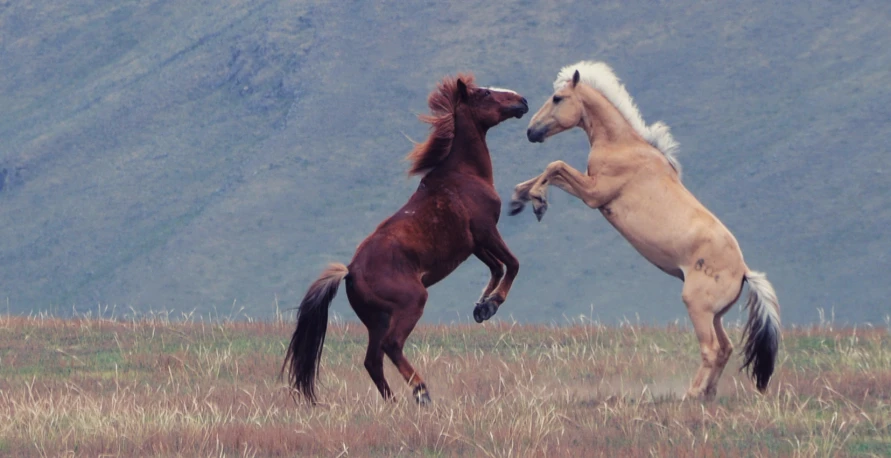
pixel 634 181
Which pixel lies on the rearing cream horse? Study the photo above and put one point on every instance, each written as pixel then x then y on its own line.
pixel 634 180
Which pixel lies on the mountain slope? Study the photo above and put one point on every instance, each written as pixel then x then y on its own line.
pixel 191 157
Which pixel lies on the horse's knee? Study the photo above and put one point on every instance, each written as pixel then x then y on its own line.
pixel 688 297
pixel 716 357
pixel 497 271
pixel 391 347
pixel 724 355
pixel 512 265
pixel 710 357
pixel 374 363
pixel 555 166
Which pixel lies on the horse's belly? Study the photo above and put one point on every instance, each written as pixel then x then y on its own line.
pixel 439 272
pixel 652 241
pixel 440 266
pixel 446 250
pixel 670 228
pixel 655 252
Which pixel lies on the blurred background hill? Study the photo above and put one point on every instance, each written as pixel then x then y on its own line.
pixel 209 157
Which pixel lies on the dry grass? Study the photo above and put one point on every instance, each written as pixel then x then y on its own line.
pixel 155 387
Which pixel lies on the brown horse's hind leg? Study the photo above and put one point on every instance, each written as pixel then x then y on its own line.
pixel 377 323
pixel 402 324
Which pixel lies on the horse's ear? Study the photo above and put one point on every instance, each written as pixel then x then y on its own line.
pixel 462 90
pixel 575 78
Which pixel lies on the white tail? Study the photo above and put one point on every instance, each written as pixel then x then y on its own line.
pixel 762 331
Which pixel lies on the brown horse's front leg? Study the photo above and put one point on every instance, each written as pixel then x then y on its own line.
pixel 496 271
pixel 487 306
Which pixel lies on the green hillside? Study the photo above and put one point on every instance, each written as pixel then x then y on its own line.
pixel 209 157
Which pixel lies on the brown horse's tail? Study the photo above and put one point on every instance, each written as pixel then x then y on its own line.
pixel 305 349
pixel 762 331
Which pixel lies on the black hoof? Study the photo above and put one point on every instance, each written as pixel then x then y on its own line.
pixel 540 210
pixel 516 206
pixel 422 396
pixel 484 310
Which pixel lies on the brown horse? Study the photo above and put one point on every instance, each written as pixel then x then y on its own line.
pixel 452 215
pixel 634 180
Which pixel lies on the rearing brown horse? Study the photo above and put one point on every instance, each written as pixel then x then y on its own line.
pixel 452 215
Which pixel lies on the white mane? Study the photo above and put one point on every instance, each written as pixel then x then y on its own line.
pixel 601 77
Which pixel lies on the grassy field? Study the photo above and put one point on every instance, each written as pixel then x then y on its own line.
pixel 159 387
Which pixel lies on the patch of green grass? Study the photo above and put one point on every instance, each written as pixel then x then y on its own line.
pixel 875 446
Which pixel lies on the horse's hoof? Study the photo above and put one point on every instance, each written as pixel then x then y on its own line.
pixel 422 397
pixel 704 396
pixel 484 310
pixel 540 209
pixel 516 207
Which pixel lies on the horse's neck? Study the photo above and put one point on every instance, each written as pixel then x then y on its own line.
pixel 602 121
pixel 469 152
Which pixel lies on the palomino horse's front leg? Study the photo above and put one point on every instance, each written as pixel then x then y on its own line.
pixel 523 193
pixel 494 249
pixel 563 176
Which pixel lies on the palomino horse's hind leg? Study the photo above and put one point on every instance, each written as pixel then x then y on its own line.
pixel 725 349
pixel 714 345
pixel 401 326
pixel 709 348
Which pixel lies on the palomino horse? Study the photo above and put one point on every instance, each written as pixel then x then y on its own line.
pixel 452 215
pixel 634 180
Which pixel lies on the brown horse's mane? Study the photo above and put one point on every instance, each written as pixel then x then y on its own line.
pixel 442 102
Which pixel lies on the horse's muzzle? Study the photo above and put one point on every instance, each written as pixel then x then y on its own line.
pixel 522 109
pixel 535 135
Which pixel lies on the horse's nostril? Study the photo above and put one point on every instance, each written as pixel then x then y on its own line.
pixel 524 101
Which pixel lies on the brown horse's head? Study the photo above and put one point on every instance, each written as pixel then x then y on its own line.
pixel 491 105
pixel 488 106
pixel 561 112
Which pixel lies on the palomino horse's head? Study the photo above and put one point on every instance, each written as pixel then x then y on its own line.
pixel 561 112
pixel 489 105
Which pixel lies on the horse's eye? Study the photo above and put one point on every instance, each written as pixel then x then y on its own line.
pixel 557 99
pixel 487 93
